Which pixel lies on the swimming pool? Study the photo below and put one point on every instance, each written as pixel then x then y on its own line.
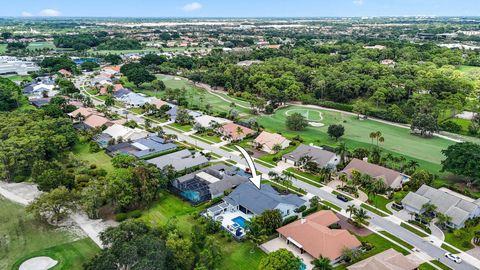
pixel 240 221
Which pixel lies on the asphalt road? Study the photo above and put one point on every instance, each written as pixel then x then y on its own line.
pixel 377 221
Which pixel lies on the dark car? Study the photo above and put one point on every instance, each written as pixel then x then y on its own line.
pixel 397 206
pixel 342 198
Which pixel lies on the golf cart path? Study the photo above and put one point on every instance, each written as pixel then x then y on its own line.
pixel 23 193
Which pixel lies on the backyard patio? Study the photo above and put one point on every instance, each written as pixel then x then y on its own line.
pixel 233 220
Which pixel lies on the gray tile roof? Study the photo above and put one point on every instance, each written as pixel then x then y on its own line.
pixel 414 200
pixel 446 203
pixel 320 156
pixel 180 160
pixel 258 200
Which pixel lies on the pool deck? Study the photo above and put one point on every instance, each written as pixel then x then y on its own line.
pixel 227 221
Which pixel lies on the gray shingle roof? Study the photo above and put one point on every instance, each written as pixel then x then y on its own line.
pixel 259 200
pixel 179 160
pixel 458 215
pixel 414 200
pixel 320 156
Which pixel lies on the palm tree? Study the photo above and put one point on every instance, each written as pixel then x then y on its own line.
pixel 443 220
pixel 239 131
pixel 372 136
pixel 343 178
pixel 322 263
pixel 361 216
pixel 276 148
pixel 351 209
pixel 376 154
pixel 412 166
pixel 304 160
pixel 342 151
pixel 273 175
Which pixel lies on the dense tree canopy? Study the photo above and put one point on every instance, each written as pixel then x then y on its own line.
pixel 463 159
pixel 10 95
pixel 27 137
pixel 281 259
pixel 54 64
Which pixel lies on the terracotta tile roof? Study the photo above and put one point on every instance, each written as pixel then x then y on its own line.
pixel 117 87
pixel 231 130
pixel 85 112
pixel 316 238
pixel 96 121
pixel 390 259
pixel 157 102
pixel 270 139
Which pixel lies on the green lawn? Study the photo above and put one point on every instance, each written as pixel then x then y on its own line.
pixel 418 232
pixel 449 249
pixel 236 255
pixel 18 77
pixel 278 156
pixel 462 239
pixel 427 151
pixel 380 202
pixel 101 159
pixel 212 137
pixel 21 236
pixel 373 209
pixel 41 45
pixel 396 239
pixel 184 128
pixel 3 48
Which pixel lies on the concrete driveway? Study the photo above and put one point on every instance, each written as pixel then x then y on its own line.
pixel 278 243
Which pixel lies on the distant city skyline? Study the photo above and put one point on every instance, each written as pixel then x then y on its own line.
pixel 239 8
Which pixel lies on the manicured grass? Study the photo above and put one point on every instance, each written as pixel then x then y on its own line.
pixel 381 244
pixel 196 96
pixel 3 48
pixel 441 265
pixel 278 156
pixel 41 45
pixel 426 266
pixel 19 77
pixel 427 151
pixel 70 256
pixel 380 202
pixel 136 110
pixel 396 239
pixel 184 128
pixel 373 209
pixel 338 193
pixel 413 230
pixel 22 235
pixel 281 186
pixel 101 159
pixel 311 178
pixel 462 239
pixel 212 137
pixel 331 205
pixel 449 249
pixel 236 255
pixel 266 164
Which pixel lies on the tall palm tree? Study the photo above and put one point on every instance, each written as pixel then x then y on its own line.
pixel 239 131
pixel 361 216
pixel 351 210
pixel 304 160
pixel 322 263
pixel 342 151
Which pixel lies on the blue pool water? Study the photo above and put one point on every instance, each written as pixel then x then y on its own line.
pixel 240 221
pixel 303 266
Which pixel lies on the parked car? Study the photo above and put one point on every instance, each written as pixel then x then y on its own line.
pixel 397 206
pixel 453 257
pixel 342 198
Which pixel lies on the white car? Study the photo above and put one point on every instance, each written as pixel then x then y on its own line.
pixel 453 257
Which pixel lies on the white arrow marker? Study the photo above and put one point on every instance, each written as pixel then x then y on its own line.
pixel 256 179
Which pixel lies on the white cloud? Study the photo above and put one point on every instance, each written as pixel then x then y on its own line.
pixel 192 7
pixel 358 2
pixel 26 14
pixel 49 12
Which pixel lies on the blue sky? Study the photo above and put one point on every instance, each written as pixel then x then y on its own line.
pixel 239 8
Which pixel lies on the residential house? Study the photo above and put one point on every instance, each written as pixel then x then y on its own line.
pixel 267 141
pixel 39 102
pixel 390 177
pixel 120 93
pixel 247 201
pixel 313 236
pixel 205 121
pixel 141 148
pixel 119 132
pixel 235 132
pixel 209 183
pixel 460 208
pixel 133 99
pixel 386 260
pixel 322 157
pixel 95 121
pixel 173 113
pixel 82 113
pixel 65 73
pixel 180 160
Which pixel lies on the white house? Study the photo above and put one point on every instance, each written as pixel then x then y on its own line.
pixel 117 131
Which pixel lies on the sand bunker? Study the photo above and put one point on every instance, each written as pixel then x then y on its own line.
pixel 38 263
